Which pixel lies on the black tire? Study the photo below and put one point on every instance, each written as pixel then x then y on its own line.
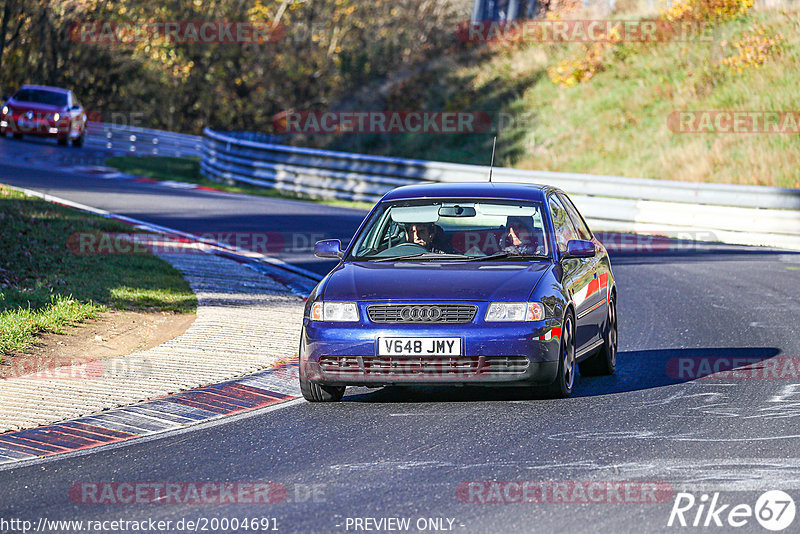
pixel 17 136
pixel 78 142
pixel 63 142
pixel 604 361
pixel 565 378
pixel 313 392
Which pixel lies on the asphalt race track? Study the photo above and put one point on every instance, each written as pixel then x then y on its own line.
pixel 30 162
pixel 413 452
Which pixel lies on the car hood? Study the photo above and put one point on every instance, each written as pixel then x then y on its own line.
pixel 22 107
pixel 481 281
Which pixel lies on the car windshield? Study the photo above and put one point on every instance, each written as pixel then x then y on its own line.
pixel 41 96
pixel 457 230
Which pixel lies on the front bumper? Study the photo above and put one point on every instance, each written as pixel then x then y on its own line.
pixel 40 127
pixel 492 354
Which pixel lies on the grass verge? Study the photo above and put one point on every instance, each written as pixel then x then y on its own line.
pixel 44 286
pixel 188 170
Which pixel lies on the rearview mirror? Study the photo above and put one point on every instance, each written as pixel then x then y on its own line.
pixel 579 248
pixel 457 211
pixel 329 248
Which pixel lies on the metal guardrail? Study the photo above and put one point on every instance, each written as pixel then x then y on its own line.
pixel 752 215
pixel 141 141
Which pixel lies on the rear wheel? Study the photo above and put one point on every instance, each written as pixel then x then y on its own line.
pixel 604 362
pixel 565 378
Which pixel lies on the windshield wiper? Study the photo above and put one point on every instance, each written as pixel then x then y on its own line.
pixel 427 255
pixel 509 255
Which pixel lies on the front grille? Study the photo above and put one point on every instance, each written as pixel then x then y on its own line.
pixel 422 313
pixel 415 367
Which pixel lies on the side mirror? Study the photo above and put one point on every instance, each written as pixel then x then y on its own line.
pixel 579 248
pixel 75 108
pixel 329 248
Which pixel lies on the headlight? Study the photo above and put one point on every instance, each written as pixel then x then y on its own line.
pixel 5 110
pixel 334 311
pixel 514 311
pixel 56 117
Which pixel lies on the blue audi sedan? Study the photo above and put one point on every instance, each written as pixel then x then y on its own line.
pixel 462 284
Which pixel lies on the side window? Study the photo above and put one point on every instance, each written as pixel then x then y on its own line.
pixel 561 223
pixel 376 236
pixel 577 220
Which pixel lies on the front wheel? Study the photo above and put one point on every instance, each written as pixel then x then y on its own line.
pixel 604 362
pixel 313 392
pixel 78 142
pixel 565 378
pixel 63 141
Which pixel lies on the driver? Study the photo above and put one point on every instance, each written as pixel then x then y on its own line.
pixel 423 234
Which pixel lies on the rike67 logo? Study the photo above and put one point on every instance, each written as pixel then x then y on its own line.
pixel 774 510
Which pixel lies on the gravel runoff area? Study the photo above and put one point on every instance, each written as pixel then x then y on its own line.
pixel 246 321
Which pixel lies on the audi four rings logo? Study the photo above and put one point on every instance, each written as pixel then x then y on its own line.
pixel 421 313
pixel 29 114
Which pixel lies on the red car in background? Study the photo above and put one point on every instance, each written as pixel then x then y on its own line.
pixel 45 112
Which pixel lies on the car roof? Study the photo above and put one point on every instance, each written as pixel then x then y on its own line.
pixel 45 88
pixel 501 190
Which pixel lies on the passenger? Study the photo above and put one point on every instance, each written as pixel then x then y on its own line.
pixel 520 237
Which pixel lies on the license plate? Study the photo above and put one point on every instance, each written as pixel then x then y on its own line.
pixel 419 346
